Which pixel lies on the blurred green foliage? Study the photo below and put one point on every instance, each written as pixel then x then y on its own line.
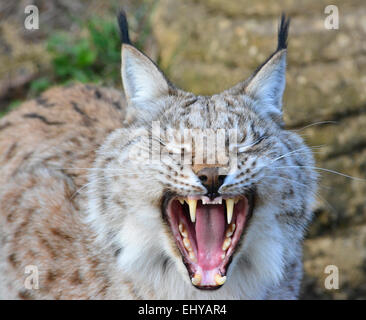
pixel 93 56
pixel 90 55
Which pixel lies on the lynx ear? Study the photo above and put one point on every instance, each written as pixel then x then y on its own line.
pixel 267 84
pixel 142 79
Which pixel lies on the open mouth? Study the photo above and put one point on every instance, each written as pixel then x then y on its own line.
pixel 207 233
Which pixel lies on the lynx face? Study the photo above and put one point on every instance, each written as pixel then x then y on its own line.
pixel 211 187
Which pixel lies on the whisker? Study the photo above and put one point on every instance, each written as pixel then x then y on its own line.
pixel 315 124
pixel 326 170
pixel 294 152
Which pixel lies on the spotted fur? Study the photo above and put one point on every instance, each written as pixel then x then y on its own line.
pixel 80 199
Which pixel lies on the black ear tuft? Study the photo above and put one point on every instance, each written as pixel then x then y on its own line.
pixel 283 32
pixel 123 27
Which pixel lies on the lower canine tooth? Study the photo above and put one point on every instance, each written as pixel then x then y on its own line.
pixel 196 280
pixel 226 244
pixel 219 279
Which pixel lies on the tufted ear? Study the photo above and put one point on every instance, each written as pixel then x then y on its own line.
pixel 267 84
pixel 142 79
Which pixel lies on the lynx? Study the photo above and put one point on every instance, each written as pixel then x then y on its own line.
pixel 111 195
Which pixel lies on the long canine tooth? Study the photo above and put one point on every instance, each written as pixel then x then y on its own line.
pixel 196 280
pixel 229 209
pixel 220 280
pixel 226 244
pixel 192 208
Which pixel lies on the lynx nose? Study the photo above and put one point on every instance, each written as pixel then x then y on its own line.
pixel 211 179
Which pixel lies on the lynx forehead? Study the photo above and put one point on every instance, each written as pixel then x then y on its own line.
pixel 157 193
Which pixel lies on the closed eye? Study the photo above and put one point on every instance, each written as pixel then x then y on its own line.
pixel 246 147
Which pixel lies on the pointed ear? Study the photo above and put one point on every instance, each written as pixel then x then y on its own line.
pixel 267 84
pixel 142 79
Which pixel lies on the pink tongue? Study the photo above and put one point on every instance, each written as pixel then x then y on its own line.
pixel 210 229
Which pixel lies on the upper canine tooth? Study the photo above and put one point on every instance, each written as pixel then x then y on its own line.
pixel 220 280
pixel 192 208
pixel 196 280
pixel 229 209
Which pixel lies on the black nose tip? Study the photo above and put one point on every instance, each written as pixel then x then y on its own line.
pixel 212 181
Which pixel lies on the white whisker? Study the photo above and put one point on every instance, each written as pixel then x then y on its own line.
pixel 326 170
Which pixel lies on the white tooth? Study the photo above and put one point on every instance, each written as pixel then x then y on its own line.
pixel 196 280
pixel 192 256
pixel 183 231
pixel 204 201
pixel 192 208
pixel 228 233
pixel 181 201
pixel 219 200
pixel 223 256
pixel 236 200
pixel 226 244
pixel 220 280
pixel 230 230
pixel 187 244
pixel 229 209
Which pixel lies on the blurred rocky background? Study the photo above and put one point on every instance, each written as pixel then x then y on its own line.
pixel 207 46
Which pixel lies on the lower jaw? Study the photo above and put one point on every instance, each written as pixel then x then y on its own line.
pixel 206 274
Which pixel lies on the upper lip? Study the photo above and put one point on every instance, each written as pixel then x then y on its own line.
pixel 182 238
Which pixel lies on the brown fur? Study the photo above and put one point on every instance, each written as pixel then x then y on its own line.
pixel 45 144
